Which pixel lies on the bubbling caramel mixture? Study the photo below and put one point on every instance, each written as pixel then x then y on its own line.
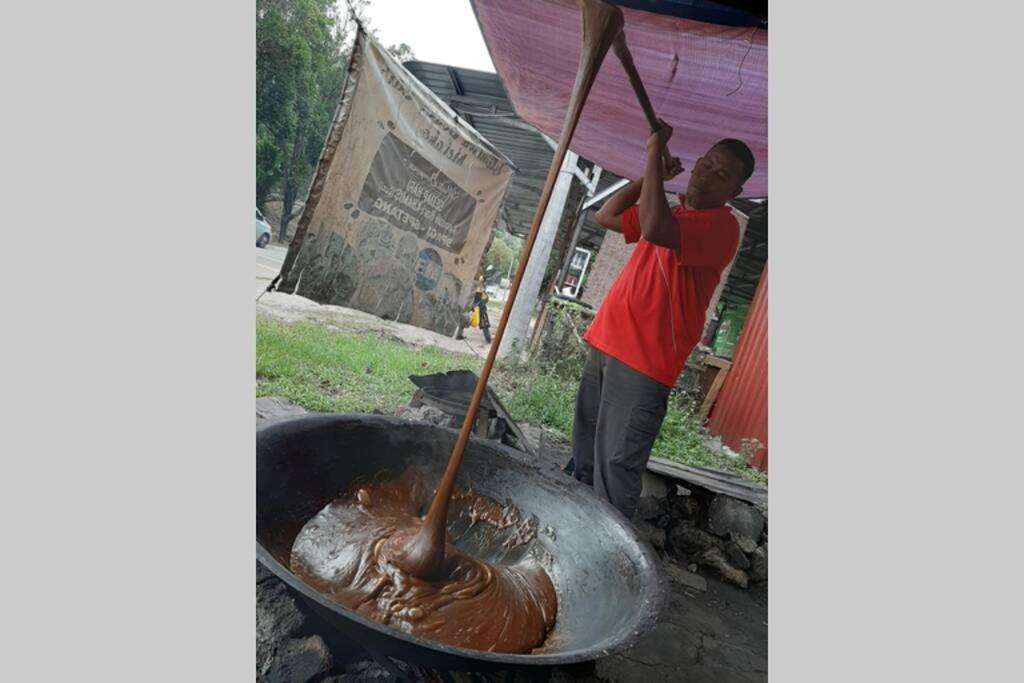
pixel 473 604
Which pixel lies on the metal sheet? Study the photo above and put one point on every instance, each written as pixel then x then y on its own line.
pixel 741 411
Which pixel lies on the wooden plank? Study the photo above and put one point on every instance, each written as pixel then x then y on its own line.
pixel 712 392
pixel 712 480
pixel 722 363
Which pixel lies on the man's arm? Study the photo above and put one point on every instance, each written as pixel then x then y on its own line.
pixel 657 225
pixel 609 216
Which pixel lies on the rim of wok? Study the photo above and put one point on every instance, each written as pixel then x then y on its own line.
pixel 643 624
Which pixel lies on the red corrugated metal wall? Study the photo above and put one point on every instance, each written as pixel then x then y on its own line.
pixel 741 411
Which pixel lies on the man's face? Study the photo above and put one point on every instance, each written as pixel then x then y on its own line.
pixel 715 179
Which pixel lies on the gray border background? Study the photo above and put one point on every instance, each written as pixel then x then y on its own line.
pixel 128 346
pixel 129 343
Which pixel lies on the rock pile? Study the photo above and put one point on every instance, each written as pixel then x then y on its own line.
pixel 718 532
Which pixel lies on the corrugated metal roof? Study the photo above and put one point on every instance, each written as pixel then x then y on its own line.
pixel 480 98
pixel 741 410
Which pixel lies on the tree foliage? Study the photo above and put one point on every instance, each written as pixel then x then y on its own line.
pixel 301 55
pixel 503 254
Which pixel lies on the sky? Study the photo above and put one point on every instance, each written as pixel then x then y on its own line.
pixel 440 31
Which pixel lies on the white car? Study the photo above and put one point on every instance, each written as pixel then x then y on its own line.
pixel 263 230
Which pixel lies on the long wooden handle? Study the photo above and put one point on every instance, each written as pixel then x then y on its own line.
pixel 602 22
pixel 626 57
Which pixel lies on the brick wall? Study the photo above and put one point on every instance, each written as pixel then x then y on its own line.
pixel 611 259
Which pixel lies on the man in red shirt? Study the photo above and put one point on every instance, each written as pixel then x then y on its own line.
pixel 653 315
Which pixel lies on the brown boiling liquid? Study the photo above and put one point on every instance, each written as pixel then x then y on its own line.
pixel 492 607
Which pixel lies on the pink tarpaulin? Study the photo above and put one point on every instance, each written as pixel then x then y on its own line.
pixel 707 81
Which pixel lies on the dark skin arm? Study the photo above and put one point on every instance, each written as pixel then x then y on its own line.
pixel 656 222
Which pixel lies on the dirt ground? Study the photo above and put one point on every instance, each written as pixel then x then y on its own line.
pixel 293 308
pixel 719 634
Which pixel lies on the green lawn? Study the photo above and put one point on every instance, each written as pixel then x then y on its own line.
pixel 327 371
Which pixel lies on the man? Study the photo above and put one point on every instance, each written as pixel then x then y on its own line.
pixel 480 299
pixel 653 315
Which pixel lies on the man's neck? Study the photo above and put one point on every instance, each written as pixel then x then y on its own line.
pixel 690 207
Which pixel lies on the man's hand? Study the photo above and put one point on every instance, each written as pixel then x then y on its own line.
pixel 657 144
pixel 660 137
pixel 609 216
pixel 673 167
pixel 657 224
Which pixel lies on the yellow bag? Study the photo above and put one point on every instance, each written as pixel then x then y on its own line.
pixel 474 318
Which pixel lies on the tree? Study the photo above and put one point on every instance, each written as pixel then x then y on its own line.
pixel 299 74
pixel 301 57
pixel 402 52
pixel 499 257
pixel 503 254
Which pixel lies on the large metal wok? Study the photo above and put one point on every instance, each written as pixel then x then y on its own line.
pixel 609 588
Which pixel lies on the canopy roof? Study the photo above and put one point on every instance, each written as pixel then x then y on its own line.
pixel 708 81
pixel 479 97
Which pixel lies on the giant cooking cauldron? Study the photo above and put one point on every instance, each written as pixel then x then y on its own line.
pixel 609 589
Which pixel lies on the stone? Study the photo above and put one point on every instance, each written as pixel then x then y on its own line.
pixel 713 444
pixel 714 557
pixel 736 556
pixel 747 545
pixel 654 535
pixel 371 670
pixel 282 655
pixel 727 515
pixel 298 661
pixel 685 578
pixel 685 540
pixel 759 564
pixel 654 485
pixel 692 567
pixel 649 508
pixel 684 508
pixel 428 414
pixel 276 408
pixel 278 619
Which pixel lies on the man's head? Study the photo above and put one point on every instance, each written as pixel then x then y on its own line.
pixel 718 176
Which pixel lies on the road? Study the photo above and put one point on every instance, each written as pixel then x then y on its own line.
pixel 268 264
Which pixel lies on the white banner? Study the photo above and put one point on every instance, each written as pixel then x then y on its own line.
pixel 403 205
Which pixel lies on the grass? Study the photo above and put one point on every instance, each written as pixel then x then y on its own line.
pixel 326 371
pixel 323 370
pixel 681 439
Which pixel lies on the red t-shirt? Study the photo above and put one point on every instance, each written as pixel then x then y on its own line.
pixel 653 315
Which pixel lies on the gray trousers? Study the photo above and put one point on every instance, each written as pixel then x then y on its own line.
pixel 618 414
